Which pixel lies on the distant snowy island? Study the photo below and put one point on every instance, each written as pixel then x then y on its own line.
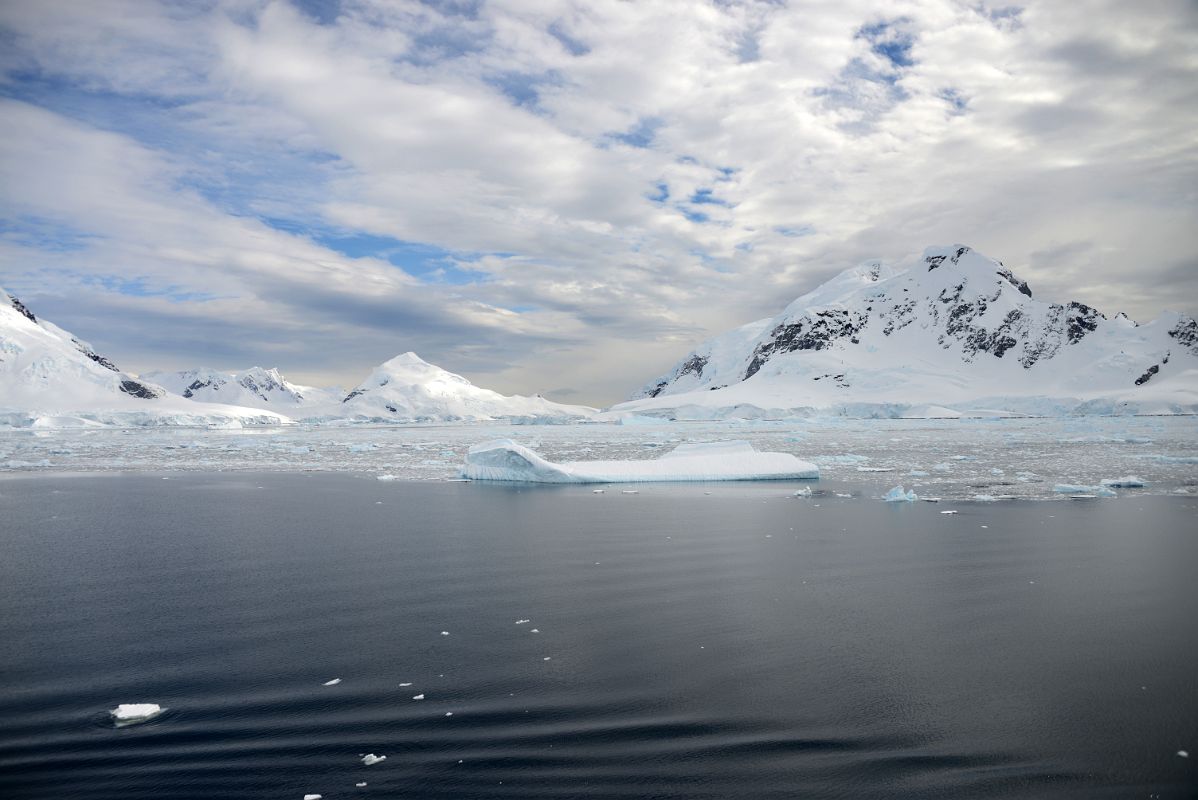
pixel 947 333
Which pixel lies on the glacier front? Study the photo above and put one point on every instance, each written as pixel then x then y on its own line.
pixel 505 460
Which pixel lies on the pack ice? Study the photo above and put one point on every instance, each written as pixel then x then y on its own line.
pixel 504 460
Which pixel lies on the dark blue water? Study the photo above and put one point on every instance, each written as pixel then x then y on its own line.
pixel 736 644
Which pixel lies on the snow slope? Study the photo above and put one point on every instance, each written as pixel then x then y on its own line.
pixel 409 389
pixel 949 332
pixel 49 378
pixel 255 387
pixel 504 460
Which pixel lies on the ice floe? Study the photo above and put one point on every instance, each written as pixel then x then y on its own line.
pixel 505 460
pixel 333 682
pixel 1126 482
pixel 371 758
pixel 1078 489
pixel 133 713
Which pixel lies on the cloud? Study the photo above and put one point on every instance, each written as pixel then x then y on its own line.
pixel 569 193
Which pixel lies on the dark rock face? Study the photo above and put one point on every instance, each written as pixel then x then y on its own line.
pixel 1010 278
pixel 1081 319
pixel 139 390
pixel 1147 376
pixel 353 394
pixel 816 332
pixel 1186 334
pixel 99 359
pixel 694 365
pixel 21 309
pixel 934 261
pixel 196 386
pixel 661 387
pixel 840 380
pixel 899 316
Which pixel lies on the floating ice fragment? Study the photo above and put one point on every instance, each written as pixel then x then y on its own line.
pixel 333 682
pixel 1077 489
pixel 444 633
pixel 388 477
pixel 1126 482
pixel 804 492
pixel 1183 753
pixel 985 498
pixel 917 473
pixel 897 495
pixel 630 491
pixel 405 685
pixel 597 491
pixel 948 512
pixel 842 494
pixel 313 796
pixel 547 658
pixel 134 713
pixel 523 621
pixel 504 460
pixel 930 499
pixel 875 469
pixel 534 630
pixel 449 713
pixel 371 758
pixel 418 697
pixel 360 784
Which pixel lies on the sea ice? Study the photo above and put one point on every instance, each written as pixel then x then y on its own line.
pixel 313 796
pixel 897 495
pixel 1126 482
pixel 371 758
pixel 1076 489
pixel 360 784
pixel 133 713
pixel 948 512
pixel 333 682
pixel 388 477
pixel 418 697
pixel 504 460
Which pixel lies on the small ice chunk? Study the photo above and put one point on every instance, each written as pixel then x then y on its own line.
pixel 547 658
pixel 333 682
pixel 360 784
pixel 630 491
pixel 804 492
pixel 404 685
pixel 598 491
pixel 917 473
pixel 948 512
pixel 419 696
pixel 133 713
pixel 1183 753
pixel 313 796
pixel 449 713
pixel 523 621
pixel 444 633
pixel 897 495
pixel 875 469
pixel 534 630
pixel 842 494
pixel 388 477
pixel 985 498
pixel 1078 489
pixel 1126 482
pixel 371 758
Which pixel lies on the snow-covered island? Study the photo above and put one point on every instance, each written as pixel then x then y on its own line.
pixel 947 333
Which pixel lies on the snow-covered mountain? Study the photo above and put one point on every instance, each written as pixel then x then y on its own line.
pixel 945 332
pixel 255 387
pixel 49 377
pixel 409 389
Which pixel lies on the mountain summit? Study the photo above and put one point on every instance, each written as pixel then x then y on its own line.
pixel 948 327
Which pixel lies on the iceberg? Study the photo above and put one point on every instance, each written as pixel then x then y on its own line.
pixel 897 495
pixel 504 460
pixel 133 713
pixel 371 758
pixel 1080 490
pixel 1125 482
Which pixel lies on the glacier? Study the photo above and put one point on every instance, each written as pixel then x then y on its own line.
pixel 505 460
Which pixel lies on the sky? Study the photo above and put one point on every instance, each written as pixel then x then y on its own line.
pixel 564 197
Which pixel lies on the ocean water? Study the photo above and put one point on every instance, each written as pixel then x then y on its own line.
pixel 695 641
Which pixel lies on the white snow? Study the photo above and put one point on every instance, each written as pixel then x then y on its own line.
pixel 505 460
pixel 897 495
pixel 371 758
pixel 133 713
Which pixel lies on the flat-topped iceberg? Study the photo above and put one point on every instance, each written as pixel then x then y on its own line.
pixel 133 713
pixel 504 460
